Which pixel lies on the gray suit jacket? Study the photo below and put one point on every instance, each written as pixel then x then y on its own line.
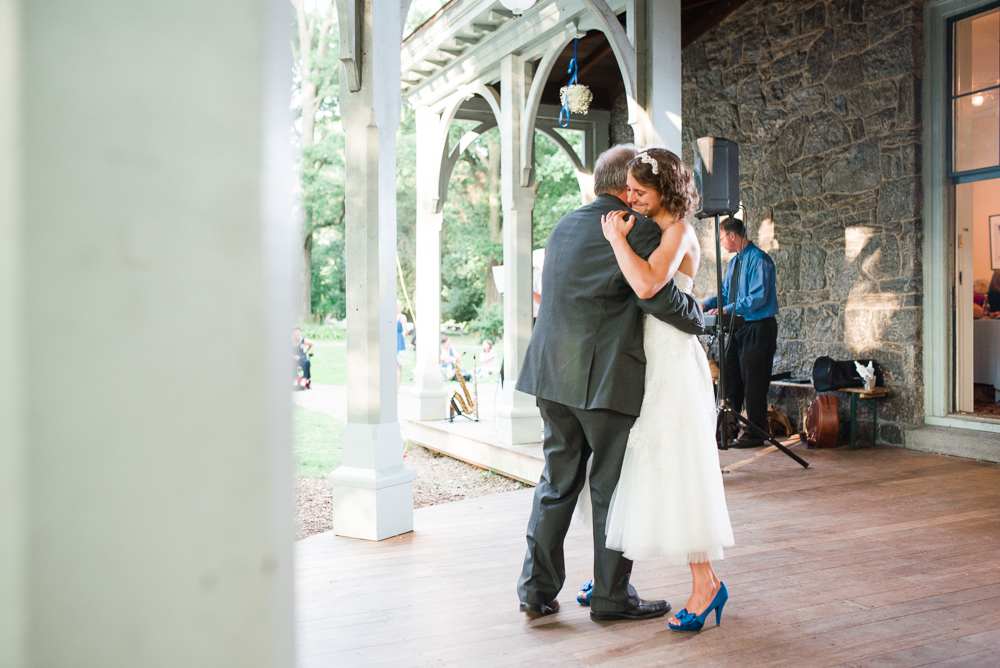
pixel 586 348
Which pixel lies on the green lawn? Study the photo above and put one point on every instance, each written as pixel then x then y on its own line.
pixel 329 360
pixel 318 438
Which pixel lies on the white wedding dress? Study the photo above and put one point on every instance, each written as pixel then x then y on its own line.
pixel 670 503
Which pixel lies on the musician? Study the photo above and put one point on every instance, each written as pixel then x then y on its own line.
pixel 750 293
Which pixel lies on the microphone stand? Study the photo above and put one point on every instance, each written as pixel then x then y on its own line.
pixel 725 412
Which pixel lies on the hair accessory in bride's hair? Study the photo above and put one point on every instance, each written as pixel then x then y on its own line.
pixel 651 161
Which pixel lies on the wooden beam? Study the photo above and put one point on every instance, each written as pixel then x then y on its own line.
pixel 710 19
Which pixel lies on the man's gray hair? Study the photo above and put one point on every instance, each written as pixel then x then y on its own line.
pixel 611 169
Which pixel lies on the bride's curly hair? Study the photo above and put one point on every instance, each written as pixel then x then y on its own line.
pixel 671 178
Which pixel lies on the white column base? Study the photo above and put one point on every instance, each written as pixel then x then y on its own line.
pixel 517 425
pixel 373 490
pixel 426 404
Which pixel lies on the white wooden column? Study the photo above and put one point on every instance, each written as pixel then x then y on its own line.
pixel 146 278
pixel 428 394
pixel 372 490
pixel 654 30
pixel 517 415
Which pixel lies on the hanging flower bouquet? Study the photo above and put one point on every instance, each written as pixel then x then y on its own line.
pixel 576 98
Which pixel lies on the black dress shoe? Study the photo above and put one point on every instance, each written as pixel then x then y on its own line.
pixel 747 442
pixel 534 610
pixel 645 610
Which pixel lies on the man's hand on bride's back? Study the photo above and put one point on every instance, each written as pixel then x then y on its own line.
pixel 616 225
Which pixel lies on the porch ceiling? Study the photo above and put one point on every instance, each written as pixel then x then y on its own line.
pixel 464 41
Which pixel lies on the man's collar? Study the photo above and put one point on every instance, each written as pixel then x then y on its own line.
pixel 614 199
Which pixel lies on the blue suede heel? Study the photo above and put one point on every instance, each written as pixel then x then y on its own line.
pixel 689 622
pixel 584 597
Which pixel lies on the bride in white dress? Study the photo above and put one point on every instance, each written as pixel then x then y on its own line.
pixel 670 503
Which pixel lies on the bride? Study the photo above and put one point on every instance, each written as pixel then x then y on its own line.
pixel 670 503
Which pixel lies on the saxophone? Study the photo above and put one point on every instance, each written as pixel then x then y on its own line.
pixel 465 404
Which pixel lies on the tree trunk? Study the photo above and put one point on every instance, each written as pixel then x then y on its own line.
pixel 493 152
pixel 494 166
pixel 304 311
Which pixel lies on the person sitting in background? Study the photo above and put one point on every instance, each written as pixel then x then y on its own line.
pixel 448 358
pixel 488 358
pixel 993 294
pixel 980 287
pixel 300 353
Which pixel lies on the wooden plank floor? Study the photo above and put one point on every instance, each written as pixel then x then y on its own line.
pixel 878 557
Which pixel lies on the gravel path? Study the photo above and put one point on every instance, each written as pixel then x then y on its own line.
pixel 440 479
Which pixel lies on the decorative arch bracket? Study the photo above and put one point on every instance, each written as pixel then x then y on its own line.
pixel 350 18
pixel 621 45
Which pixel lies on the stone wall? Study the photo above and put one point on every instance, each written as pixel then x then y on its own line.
pixel 823 98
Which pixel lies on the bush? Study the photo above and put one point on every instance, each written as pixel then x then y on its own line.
pixel 317 332
pixel 488 323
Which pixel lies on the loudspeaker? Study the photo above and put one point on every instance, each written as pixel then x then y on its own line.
pixel 717 175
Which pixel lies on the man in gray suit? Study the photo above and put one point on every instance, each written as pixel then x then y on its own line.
pixel 586 365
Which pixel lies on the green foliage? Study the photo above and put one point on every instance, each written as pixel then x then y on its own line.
pixel 323 180
pixel 557 190
pixel 318 441
pixel 329 276
pixel 488 323
pixel 317 332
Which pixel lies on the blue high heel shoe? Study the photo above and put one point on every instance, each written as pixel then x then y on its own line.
pixel 690 622
pixel 584 597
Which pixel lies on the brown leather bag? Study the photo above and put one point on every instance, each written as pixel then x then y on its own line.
pixel 823 422
pixel 777 422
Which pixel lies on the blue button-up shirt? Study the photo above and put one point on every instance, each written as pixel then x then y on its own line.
pixel 757 298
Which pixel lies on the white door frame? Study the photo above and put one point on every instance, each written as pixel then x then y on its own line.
pixel 939 238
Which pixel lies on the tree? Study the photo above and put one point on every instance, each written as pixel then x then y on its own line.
pixel 314 49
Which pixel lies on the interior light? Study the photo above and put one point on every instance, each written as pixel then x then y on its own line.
pixel 977 101
pixel 517 7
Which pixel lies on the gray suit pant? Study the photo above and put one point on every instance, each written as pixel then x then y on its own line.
pixel 571 435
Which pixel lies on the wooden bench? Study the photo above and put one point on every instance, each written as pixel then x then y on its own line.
pixel 867 398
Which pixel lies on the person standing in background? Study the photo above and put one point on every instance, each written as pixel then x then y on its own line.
pixel 749 293
pixel 402 327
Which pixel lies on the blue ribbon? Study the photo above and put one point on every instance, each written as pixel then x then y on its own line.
pixel 573 70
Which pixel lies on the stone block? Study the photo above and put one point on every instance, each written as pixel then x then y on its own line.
pixel 812 259
pixel 796 184
pixel 822 322
pixel 867 99
pixel 755 43
pixel 908 106
pixel 750 94
pixel 812 185
pixel 709 81
pixel 852 38
pixel 805 297
pixel 814 18
pixel 891 166
pixel 791 139
pixel 890 57
pixel 885 26
pixel 786 268
pixel 911 159
pixel 736 51
pixel 880 257
pixel 736 75
pixel 804 101
pixel 780 32
pixel 841 274
pixel 845 75
pixel 904 405
pixel 889 434
pixel 777 91
pixel 772 183
pixel 826 131
pixel 880 122
pixel 858 170
pixel 790 323
pixel 808 165
pixel 768 122
pixel 820 58
pixel 839 105
pixel 748 197
pixel 899 199
pixel 857 129
pixel 790 63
